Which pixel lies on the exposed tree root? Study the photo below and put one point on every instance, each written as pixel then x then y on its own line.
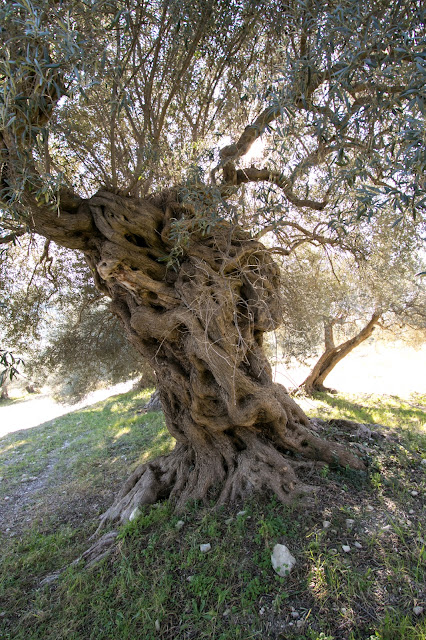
pixel 231 469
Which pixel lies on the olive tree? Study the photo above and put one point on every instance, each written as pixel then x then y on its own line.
pixel 335 300
pixel 125 128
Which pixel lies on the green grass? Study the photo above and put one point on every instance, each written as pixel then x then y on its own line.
pixel 158 585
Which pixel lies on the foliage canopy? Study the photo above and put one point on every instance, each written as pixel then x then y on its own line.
pixel 148 93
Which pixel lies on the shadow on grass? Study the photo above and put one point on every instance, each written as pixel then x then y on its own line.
pixel 8 402
pixel 390 411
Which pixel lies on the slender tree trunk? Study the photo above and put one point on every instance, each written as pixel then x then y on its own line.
pixel 333 355
pixel 200 325
pixel 4 391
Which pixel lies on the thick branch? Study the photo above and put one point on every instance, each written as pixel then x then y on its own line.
pixel 266 175
pixel 12 236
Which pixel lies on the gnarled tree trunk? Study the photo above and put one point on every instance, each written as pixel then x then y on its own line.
pixel 333 355
pixel 201 327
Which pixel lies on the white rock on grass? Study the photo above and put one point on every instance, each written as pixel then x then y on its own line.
pixel 346 548
pixel 358 545
pixel 326 524
pixel 135 513
pixel 414 493
pixel 418 611
pixel 204 548
pixel 282 561
pixel 179 524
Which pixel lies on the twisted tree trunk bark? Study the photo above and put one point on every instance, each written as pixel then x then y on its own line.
pixel 200 325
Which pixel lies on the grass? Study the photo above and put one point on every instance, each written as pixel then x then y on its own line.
pixel 157 584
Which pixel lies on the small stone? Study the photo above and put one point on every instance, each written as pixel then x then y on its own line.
pixel 358 545
pixel 229 520
pixel 2 614
pixel 295 614
pixel 135 513
pixel 262 611
pixel 179 524
pixel 386 527
pixel 370 508
pixel 411 511
pixel 343 610
pixel 418 611
pixel 157 625
pixel 326 524
pixel 241 513
pixel 205 548
pixel 346 548
pixel 7 497
pixel 414 493
pixel 282 561
pixel 226 613
pixel 349 523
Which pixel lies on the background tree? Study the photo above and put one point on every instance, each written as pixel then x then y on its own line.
pixel 9 364
pixel 114 120
pixel 53 316
pixel 336 299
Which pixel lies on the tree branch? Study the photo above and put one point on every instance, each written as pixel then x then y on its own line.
pixel 12 236
pixel 252 174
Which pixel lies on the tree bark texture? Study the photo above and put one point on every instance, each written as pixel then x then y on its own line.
pixel 333 355
pixel 201 327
